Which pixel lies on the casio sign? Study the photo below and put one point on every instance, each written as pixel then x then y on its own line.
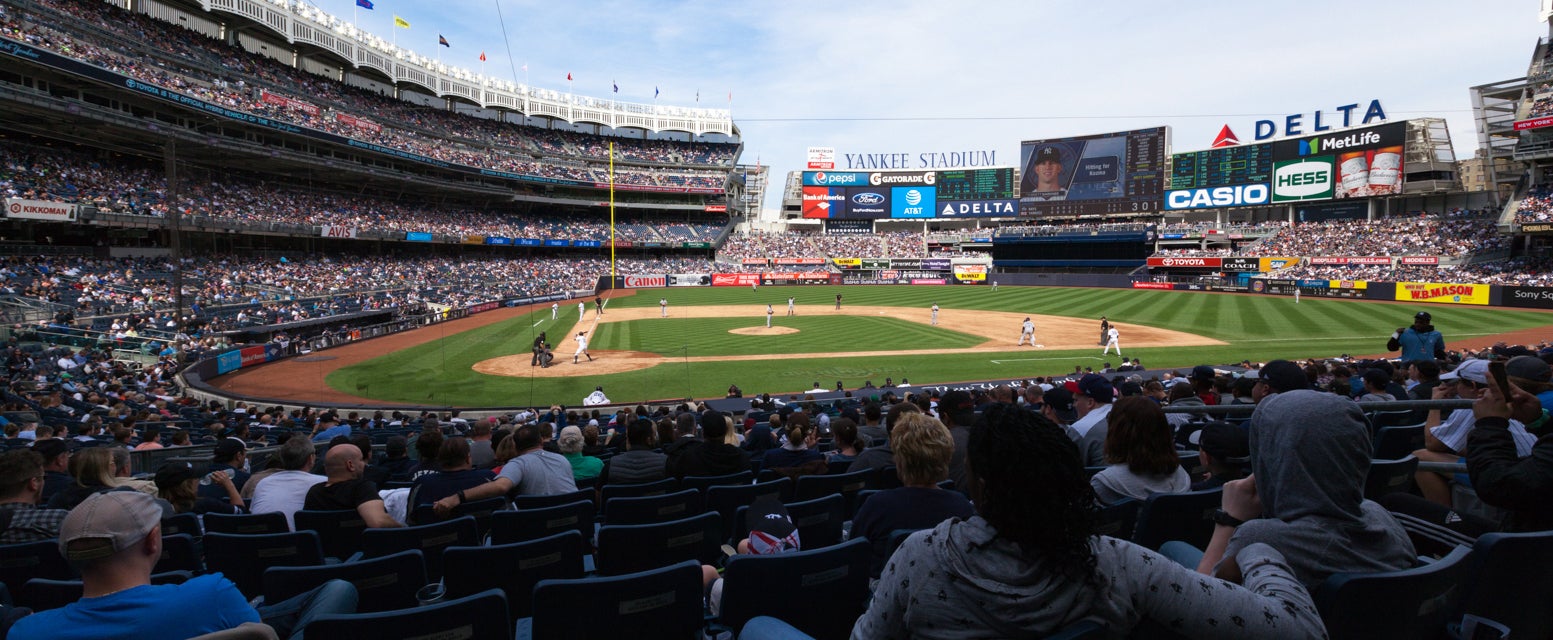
pixel 1303 179
pixel 1218 197
pixel 868 199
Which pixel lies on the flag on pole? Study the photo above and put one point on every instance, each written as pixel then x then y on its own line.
pixel 655 93
pixel 365 4
pixel 482 56
pixel 698 95
pixel 616 84
pixel 401 22
pixel 443 41
pixel 568 76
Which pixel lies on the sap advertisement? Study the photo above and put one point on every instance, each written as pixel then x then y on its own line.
pixel 1358 163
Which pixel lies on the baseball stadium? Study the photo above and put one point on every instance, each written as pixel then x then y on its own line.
pixel 319 327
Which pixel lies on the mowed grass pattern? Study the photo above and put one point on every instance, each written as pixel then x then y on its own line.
pixel 1257 328
pixel 816 334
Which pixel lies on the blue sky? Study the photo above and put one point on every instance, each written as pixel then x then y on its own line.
pixel 929 76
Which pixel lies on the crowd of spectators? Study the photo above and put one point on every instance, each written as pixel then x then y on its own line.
pixel 1537 206
pixel 1523 271
pixel 186 62
pixel 121 185
pixel 1454 234
pixel 900 244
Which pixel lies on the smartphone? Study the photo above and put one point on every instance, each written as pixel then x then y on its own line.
pixel 1501 378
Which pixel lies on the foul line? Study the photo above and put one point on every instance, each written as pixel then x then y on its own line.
pixel 1048 359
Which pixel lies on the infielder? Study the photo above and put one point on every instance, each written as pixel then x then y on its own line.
pixel 663 307
pixel 838 302
pixel 935 313
pixel 1026 331
pixel 1113 339
pixel 582 347
pixel 582 311
pixel 790 301
pixel 555 310
pixel 769 312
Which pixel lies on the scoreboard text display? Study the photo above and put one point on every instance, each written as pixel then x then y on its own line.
pixel 1224 177
pixel 1102 174
pixel 960 185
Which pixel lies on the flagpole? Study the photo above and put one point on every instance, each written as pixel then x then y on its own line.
pixel 612 214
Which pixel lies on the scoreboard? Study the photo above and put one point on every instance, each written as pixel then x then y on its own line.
pixel 958 185
pixel 1119 173
pixel 1222 167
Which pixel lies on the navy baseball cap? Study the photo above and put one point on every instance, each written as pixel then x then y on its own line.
pixel 1096 387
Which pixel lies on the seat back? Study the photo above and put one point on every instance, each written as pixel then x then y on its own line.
pixel 540 502
pixel 41 594
pixel 1118 519
pixel 649 509
pixel 482 615
pixel 22 562
pixel 819 521
pixel 1392 443
pixel 382 584
pixel 180 553
pixel 846 484
pixel 1389 476
pixel 700 483
pixel 468 570
pixel 246 523
pixel 338 530
pixel 885 478
pixel 431 539
pixel 660 603
pixel 1411 603
pixel 244 557
pixel 820 592
pixel 726 500
pixel 636 490
pixel 1187 517
pixel 1506 567
pixel 532 524
pixel 188 523
pixel 480 510
pixel 640 547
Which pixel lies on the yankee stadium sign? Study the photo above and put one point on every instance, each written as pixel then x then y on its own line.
pixel 928 160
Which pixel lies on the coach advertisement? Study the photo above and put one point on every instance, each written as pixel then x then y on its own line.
pixel 798 261
pixel 1526 297
pixel 1240 264
pixel 1443 293
pixel 735 279
pixel 689 280
pixel 646 282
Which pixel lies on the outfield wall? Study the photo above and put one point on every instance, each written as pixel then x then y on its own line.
pixel 1487 295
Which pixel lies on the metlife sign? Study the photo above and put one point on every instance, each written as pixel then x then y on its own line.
pixel 1238 196
pixel 1307 179
pixel 979 209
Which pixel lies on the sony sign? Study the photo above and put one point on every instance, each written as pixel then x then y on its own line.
pixel 1294 124
pixel 1237 196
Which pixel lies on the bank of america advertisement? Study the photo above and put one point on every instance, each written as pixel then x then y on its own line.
pixel 1357 163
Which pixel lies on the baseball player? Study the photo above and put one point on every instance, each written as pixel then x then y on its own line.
pixel 663 307
pixel 838 302
pixel 598 304
pixel 1105 328
pixel 754 287
pixel 935 314
pixel 1113 339
pixel 582 347
pixel 769 312
pixel 790 301
pixel 555 310
pixel 582 311
pixel 994 285
pixel 1026 331
pixel 1296 295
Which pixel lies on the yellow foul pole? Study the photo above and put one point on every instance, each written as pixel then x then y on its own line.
pixel 612 215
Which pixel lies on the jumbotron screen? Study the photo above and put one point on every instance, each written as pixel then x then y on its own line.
pixel 1102 174
pixel 956 185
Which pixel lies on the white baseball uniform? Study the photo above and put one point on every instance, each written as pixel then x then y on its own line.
pixel 555 310
pixel 1113 340
pixel 935 314
pixel 769 312
pixel 582 347
pixel 582 310
pixel 790 301
pixel 1027 330
pixel 663 307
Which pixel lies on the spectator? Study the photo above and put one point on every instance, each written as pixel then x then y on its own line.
pixel 21 489
pixel 56 467
pixel 1522 485
pixel 534 472
pixel 713 457
pixel 922 448
pixel 797 456
pixel 1027 565
pixel 1141 454
pixel 286 490
pixel 844 438
pixel 346 489
pixel 957 411
pixel 230 457
pixel 583 467
pixel 639 463
pixel 92 470
pixel 1224 451
pixel 457 472
pixel 177 483
pixel 882 456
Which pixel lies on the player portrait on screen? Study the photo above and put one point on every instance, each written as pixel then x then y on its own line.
pixel 1046 176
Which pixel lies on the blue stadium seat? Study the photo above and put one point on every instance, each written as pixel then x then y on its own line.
pixel 663 603
pixel 540 502
pixel 41 594
pixel 246 523
pixel 700 483
pixel 1389 476
pixel 1392 443
pixel 1187 517
pixel 480 510
pixel 637 490
pixel 188 523
pixel 22 562
pixel 431 539
pixel 532 524
pixel 382 584
pixel 650 509
pixel 514 568
pixel 819 521
pixel 338 530
pixel 629 548
pixel 846 484
pixel 244 557
pixel 477 617
pixel 1118 519
pixel 1411 603
pixel 820 592
pixel 1505 568
pixel 180 552
pixel 724 501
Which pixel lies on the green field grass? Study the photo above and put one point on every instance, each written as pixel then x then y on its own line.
pixel 1256 328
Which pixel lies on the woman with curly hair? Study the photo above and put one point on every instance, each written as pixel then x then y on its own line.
pixel 1028 565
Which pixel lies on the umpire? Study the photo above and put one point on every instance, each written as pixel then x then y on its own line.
pixel 538 349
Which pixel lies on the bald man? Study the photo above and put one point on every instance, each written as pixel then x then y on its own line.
pixel 346 489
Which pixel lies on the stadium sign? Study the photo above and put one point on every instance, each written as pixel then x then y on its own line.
pixel 1443 292
pixel 1241 264
pixel 1294 124
pixel 715 208
pixel 1534 123
pixel 1420 259
pixel 929 160
pixel 979 209
pixel 1526 297
pixel 1200 263
pixel 39 210
pixel 835 179
pixel 821 158
pixel 645 282
pixel 1153 285
pixel 1540 227
pixel 1237 196
pixel 689 280
pixel 1308 179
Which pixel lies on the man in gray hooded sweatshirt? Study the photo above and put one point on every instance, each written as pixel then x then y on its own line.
pixel 1310 452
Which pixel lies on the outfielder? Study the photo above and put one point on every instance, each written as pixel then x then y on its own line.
pixel 1026 331
pixel 663 307
pixel 582 311
pixel 790 301
pixel 582 347
pixel 769 312
pixel 555 310
pixel 935 313
pixel 1113 339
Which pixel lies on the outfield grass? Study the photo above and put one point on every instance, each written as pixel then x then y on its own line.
pixel 1257 328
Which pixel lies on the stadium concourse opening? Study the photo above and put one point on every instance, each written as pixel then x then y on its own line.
pixel 1000 328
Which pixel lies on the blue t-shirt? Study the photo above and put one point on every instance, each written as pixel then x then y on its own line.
pixel 905 508
pixel 329 434
pixel 202 605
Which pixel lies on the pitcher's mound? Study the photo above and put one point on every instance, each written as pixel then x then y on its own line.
pixel 517 366
pixel 763 331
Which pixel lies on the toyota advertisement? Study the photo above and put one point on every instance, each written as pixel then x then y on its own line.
pixel 1357 163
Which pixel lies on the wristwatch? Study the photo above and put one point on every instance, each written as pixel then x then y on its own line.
pixel 1223 517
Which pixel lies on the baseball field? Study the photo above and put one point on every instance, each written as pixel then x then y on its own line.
pixel 714 337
